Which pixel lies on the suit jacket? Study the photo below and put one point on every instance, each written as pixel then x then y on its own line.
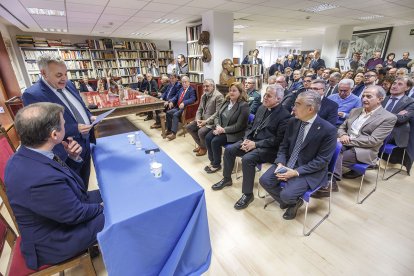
pixel 358 89
pixel 83 87
pixel 401 131
pixel 150 86
pixel 371 134
pixel 334 90
pixel 254 99
pixel 315 64
pixel 276 67
pixel 209 106
pixel 329 111
pixel 315 153
pixel 189 97
pixel 171 91
pixel 237 123
pixel 267 132
pixel 289 98
pixel 139 86
pixel 57 217
pixel 40 92
pixel 290 64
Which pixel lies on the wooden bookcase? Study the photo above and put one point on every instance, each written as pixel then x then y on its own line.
pixel 244 71
pixel 194 54
pixel 164 57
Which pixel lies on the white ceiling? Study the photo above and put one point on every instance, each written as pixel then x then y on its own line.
pixel 266 20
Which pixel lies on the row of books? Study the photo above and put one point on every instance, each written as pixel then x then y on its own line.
pixel 32 65
pixel 25 40
pixel 72 64
pixel 105 64
pixel 163 62
pixel 165 54
pixel 127 71
pixel 196 78
pixel 103 55
pixel 69 54
pixel 128 80
pixel 128 63
pixel 127 54
pixel 146 55
pixel 79 74
pixel 246 70
pixel 103 73
pixel 100 44
pixel 194 49
pixel 195 64
pixel 193 33
pixel 163 70
pixel 34 54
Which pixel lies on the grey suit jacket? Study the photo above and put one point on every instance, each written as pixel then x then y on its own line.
pixel 237 123
pixel 401 131
pixel 209 106
pixel 371 135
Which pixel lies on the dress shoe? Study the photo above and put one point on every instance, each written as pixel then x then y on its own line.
pixel 292 210
pixel 207 168
pixel 168 132
pixel 171 136
pixel 351 175
pixel 94 251
pixel 221 184
pixel 213 169
pixel 196 149
pixel 155 125
pixel 283 205
pixel 324 191
pixel 201 152
pixel 244 201
pixel 148 118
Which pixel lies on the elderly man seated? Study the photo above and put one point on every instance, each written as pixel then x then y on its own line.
pixel 210 102
pixel 259 145
pixel 345 99
pixel 57 217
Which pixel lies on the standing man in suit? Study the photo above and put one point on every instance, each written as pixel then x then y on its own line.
pixel 57 217
pixel 363 133
pixel 171 91
pixel 209 104
pixel 85 86
pixel 54 87
pixel 328 109
pixel 259 145
pixel 186 96
pixel 253 96
pixel 317 61
pixel 290 62
pixel 307 148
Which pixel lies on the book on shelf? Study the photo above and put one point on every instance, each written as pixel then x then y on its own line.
pixel 25 40
pixel 119 45
pixel 145 46
pixel 54 43
pixel 80 65
pixel 196 78
pixel 108 43
pixel 193 33
pixel 247 70
pixel 132 55
pixel 195 64
pixel 66 43
pixel 165 54
pixel 128 63
pixel 74 54
pixel 194 49
pixel 34 54
pixel 82 45
pixel 105 64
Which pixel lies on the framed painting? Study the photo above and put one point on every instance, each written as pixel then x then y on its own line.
pixel 342 48
pixel 368 41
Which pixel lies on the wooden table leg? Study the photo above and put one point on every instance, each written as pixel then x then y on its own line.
pixel 162 119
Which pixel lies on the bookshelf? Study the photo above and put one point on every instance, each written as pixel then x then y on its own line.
pixel 244 71
pixel 164 57
pixel 194 54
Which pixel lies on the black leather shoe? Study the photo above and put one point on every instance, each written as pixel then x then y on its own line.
pixel 244 201
pixel 283 205
pixel 212 169
pixel 291 211
pixel 221 184
pixel 351 175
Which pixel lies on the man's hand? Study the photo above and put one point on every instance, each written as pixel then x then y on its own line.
pixel 248 145
pixel 345 139
pixel 279 165
pixel 92 118
pixel 84 129
pixel 170 105
pixel 72 148
pixel 181 106
pixel 287 175
pixel 219 130
pixel 166 104
pixel 402 112
pixel 201 123
pixel 341 114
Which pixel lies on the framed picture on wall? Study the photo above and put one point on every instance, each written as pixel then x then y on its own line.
pixel 342 48
pixel 343 64
pixel 368 41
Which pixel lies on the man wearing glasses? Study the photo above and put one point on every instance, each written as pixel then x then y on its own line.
pixel 253 96
pixel 370 78
pixel 329 108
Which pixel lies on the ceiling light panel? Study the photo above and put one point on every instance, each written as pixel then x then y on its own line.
pixel 46 12
pixel 370 17
pixel 320 8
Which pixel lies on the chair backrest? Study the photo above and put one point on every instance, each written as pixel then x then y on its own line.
pixel 332 163
pixel 14 105
pixel 250 119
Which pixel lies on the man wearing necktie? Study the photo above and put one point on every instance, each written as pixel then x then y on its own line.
pixel 53 86
pixel 186 96
pixel 85 86
pixel 307 148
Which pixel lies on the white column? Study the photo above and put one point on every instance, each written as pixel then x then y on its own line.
pixel 220 27
pixel 331 42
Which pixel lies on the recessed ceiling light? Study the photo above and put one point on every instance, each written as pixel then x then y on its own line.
pixel 166 21
pixel 240 26
pixel 319 8
pixel 140 34
pixel 371 17
pixel 45 12
pixel 55 30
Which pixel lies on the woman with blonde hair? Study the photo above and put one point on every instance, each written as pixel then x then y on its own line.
pixel 230 123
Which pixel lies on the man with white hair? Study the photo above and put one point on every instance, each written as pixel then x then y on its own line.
pixel 259 145
pixel 332 87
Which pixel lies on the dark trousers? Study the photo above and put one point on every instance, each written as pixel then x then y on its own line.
pixel 295 187
pixel 198 134
pixel 214 144
pixel 346 159
pixel 173 119
pixel 249 162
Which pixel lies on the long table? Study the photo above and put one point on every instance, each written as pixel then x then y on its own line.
pixel 153 226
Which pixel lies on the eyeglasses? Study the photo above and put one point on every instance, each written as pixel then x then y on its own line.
pixel 343 91
pixel 250 82
pixel 369 76
pixel 316 88
pixel 307 80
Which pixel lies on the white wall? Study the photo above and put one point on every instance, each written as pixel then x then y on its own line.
pixel 401 41
pixel 312 42
pixel 179 47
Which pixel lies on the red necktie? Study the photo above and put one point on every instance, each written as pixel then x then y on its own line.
pixel 181 97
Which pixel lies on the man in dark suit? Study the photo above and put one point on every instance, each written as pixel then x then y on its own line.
pixel 307 148
pixel 186 96
pixel 332 86
pixel 329 108
pixel 277 67
pixel 171 91
pixel 317 61
pixel 57 217
pixel 259 145
pixel 54 87
pixel 290 62
pixel 151 88
pixel 86 86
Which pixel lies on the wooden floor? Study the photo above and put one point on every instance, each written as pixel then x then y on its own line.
pixel 375 238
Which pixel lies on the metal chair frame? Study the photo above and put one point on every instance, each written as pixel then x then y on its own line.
pixel 362 168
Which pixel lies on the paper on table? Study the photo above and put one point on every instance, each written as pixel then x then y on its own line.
pixel 102 116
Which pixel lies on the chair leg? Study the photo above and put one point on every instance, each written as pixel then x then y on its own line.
pixel 88 266
pixel 372 191
pixel 268 203
pixel 398 171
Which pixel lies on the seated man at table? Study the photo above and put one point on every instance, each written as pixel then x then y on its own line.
pixel 303 157
pixel 259 145
pixel 86 86
pixel 57 217
pixel 150 87
pixel 171 91
pixel 186 96
pixel 210 102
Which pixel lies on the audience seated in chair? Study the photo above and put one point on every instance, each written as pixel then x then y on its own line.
pixel 306 150
pixel 259 144
pixel 210 103
pixel 253 96
pixel 329 109
pixel 57 217
pixel 86 86
pixel 229 124
pixel 184 97
pixel 150 87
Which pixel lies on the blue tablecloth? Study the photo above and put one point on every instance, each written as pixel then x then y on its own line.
pixel 153 226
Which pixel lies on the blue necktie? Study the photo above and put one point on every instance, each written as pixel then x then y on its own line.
pixel 391 105
pixel 298 144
